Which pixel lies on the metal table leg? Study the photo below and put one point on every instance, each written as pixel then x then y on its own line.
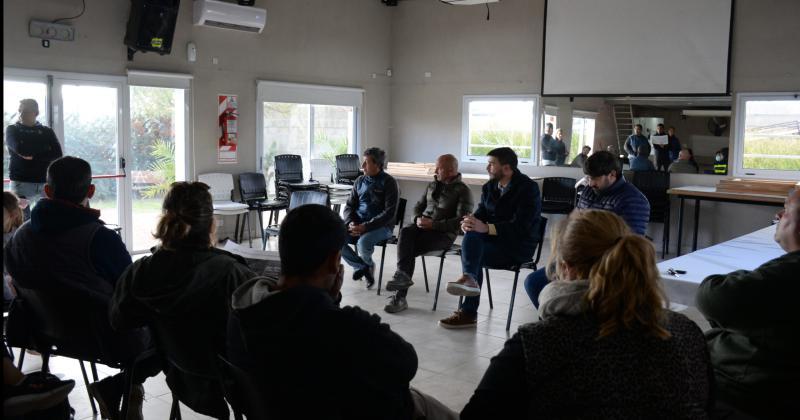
pixel 680 228
pixel 696 223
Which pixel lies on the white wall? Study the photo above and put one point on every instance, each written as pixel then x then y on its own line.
pixel 467 54
pixel 335 42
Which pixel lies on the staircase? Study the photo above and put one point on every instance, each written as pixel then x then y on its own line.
pixel 623 119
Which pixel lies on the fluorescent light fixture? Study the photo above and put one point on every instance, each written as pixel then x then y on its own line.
pixel 706 112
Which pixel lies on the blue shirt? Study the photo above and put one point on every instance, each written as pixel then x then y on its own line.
pixel 622 198
pixel 641 163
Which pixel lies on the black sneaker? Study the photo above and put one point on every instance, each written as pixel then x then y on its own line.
pixel 400 281
pixel 359 273
pixel 108 393
pixel 396 304
pixel 369 276
pixel 37 391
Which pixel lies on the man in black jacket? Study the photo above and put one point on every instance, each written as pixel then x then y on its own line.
pixel 502 232
pixel 31 148
pixel 311 358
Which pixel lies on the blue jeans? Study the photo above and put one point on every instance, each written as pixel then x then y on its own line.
pixel 479 250
pixel 31 191
pixel 365 244
pixel 534 284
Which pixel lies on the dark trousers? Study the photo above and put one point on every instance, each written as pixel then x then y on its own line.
pixel 534 284
pixel 414 242
pixel 479 250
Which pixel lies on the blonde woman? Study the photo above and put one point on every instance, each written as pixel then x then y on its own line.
pixel 606 347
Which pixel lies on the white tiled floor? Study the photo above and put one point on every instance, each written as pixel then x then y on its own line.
pixel 451 362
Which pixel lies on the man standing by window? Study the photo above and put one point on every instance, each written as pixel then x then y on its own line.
pixel 560 148
pixel 662 150
pixel 31 148
pixel 370 214
pixel 548 146
pixel 633 141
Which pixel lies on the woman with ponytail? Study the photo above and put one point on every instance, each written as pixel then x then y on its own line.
pixel 606 345
pixel 183 292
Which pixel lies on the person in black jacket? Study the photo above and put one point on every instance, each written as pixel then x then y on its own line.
pixel 182 293
pixel 310 357
pixel 31 148
pixel 369 214
pixel 502 232
pixel 606 347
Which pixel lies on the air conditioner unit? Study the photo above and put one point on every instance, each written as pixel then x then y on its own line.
pixel 220 14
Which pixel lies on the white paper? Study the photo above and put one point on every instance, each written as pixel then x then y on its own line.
pixel 660 139
pixel 250 253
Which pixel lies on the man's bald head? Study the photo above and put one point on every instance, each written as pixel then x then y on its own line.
pixel 787 233
pixel 446 167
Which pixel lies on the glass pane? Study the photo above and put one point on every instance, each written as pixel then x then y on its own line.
pixel 333 133
pixel 772 135
pixel 13 92
pixel 500 123
pixel 90 133
pixel 157 122
pixel 582 135
pixel 286 131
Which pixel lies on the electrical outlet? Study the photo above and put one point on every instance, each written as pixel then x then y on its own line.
pixel 49 30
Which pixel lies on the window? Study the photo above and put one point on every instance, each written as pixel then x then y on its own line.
pixel 315 122
pixel 497 121
pixel 582 132
pixel 767 135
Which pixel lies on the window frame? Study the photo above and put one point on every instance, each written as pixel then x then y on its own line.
pixel 536 117
pixel 584 115
pixel 307 94
pixel 736 159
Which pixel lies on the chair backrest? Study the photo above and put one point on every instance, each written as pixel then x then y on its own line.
pixel 540 245
pixel 401 212
pixel 322 171
pixel 348 168
pixel 252 186
pixel 242 390
pixel 220 185
pixel 654 186
pixel 288 168
pixel 303 197
pixel 559 189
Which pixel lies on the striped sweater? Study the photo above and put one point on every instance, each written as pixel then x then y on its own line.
pixel 623 199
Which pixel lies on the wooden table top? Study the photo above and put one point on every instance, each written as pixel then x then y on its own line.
pixel 711 192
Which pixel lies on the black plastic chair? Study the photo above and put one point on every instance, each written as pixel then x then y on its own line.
pixel 654 186
pixel 242 390
pixel 400 215
pixel 530 265
pixel 65 323
pixel 300 198
pixel 348 168
pixel 558 195
pixel 253 190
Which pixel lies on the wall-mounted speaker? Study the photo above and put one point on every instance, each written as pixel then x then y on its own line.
pixel 151 26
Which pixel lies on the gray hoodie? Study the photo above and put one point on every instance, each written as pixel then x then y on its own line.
pixel 563 297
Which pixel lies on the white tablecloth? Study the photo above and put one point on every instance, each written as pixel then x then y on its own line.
pixel 743 253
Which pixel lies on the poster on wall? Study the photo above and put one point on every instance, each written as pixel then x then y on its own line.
pixel 229 129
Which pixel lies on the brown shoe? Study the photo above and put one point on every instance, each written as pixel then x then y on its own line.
pixel 459 319
pixel 465 286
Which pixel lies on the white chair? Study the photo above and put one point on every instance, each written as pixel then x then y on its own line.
pixel 221 189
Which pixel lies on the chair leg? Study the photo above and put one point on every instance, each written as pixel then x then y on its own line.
pixel 261 229
pixel 236 231
pixel 249 232
pixel 240 231
pixel 380 276
pixel 45 362
pixel 425 273
pixel 86 382
pixel 22 352
pixel 513 295
pixel 93 365
pixel 489 288
pixel 175 411
pixel 438 283
pixel 126 392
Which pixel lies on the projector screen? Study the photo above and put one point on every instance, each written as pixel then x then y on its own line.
pixel 636 47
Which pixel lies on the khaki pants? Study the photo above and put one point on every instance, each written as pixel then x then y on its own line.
pixel 428 408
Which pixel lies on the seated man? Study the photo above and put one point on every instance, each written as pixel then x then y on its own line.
pixel 65 248
pixel 502 232
pixel 312 358
pixel 607 190
pixel 581 158
pixel 437 220
pixel 641 162
pixel 684 164
pixel 369 214
pixel 753 340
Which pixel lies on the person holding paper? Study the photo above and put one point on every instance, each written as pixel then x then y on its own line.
pixel 662 148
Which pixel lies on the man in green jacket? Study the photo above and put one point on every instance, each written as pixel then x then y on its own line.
pixel 437 219
pixel 754 339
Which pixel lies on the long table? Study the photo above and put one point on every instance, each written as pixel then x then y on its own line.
pixel 743 253
pixel 700 193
